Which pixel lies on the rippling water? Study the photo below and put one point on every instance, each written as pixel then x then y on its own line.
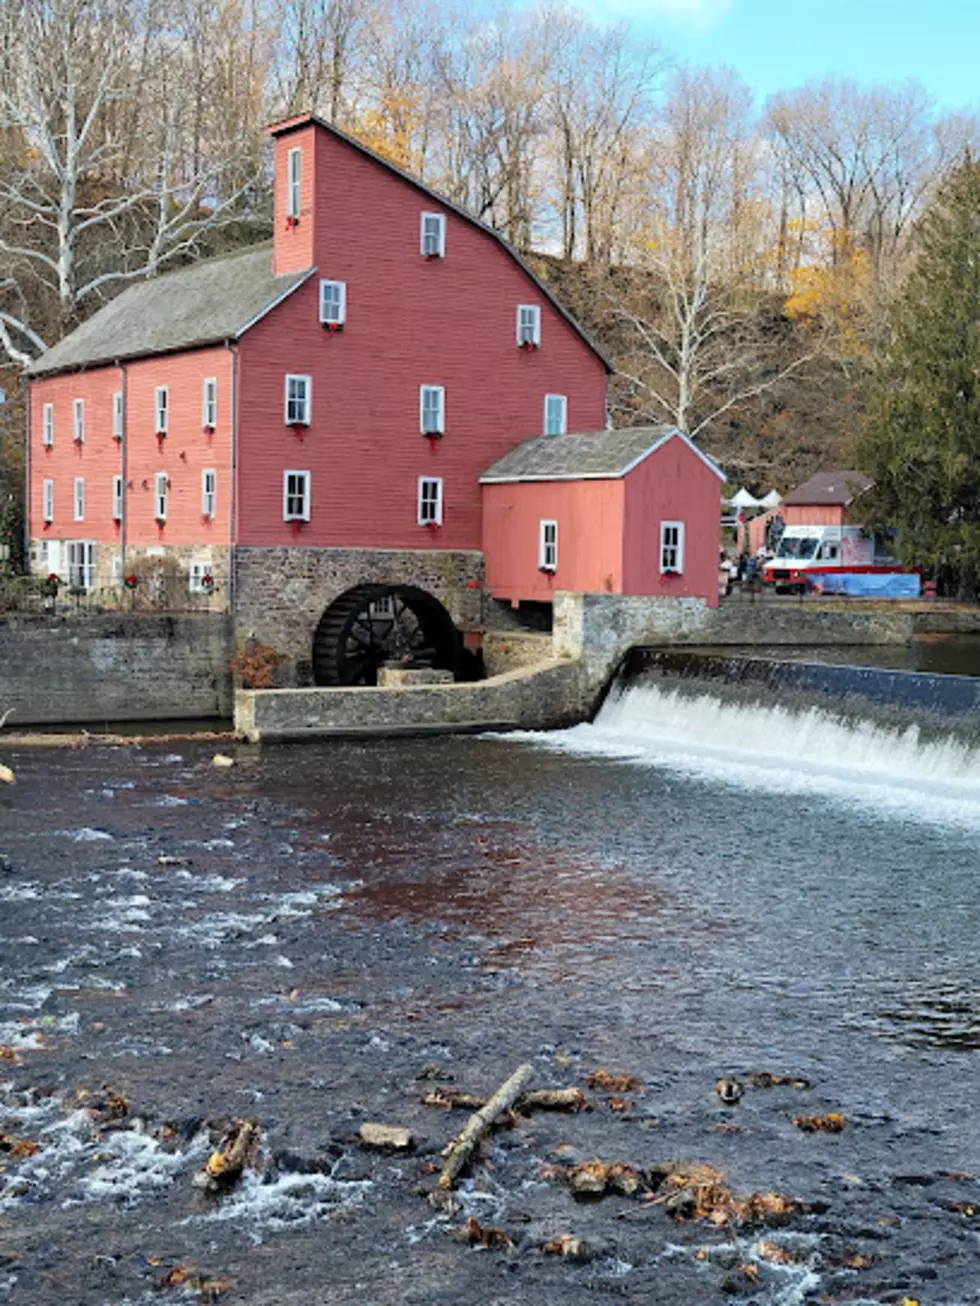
pixel 349 914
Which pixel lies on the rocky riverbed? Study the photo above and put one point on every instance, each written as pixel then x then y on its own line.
pixel 319 937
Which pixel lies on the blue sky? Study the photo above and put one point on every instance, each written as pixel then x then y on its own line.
pixel 779 44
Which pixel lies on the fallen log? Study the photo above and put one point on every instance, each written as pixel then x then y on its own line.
pixel 481 1122
pixel 225 1166
pixel 539 1099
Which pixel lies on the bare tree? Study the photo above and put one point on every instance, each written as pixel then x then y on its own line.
pixel 83 207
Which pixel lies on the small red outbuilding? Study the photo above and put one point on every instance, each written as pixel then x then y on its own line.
pixel 618 512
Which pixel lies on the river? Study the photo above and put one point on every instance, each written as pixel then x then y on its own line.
pixel 334 919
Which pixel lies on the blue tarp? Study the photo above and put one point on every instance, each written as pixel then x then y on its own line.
pixel 867 585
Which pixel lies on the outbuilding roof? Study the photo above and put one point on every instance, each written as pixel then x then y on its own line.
pixel 307 119
pixel 213 301
pixel 830 489
pixel 586 456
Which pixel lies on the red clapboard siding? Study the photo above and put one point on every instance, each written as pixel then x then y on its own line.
pixel 97 460
pixel 184 454
pixel 410 322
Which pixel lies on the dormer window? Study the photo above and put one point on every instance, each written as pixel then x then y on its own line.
pixel 333 304
pixel 298 400
pixel 433 235
pixel 294 183
pixel 528 326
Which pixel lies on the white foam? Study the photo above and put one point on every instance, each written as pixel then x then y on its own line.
pixel 288 1201
pixel 898 773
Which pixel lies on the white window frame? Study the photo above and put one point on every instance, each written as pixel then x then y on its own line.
pixel 432 238
pixel 294 183
pixel 117 570
pixel 430 505
pixel 548 545
pixel 209 403
pixel 209 492
pixel 78 420
pixel 297 411
pixel 80 564
pixel 47 426
pixel 161 494
pixel 117 498
pixel 529 325
pixel 562 402
pixel 117 415
pixel 440 420
pixel 78 499
pixel 47 502
pixel 671 548
pixel 161 409
pixel 333 311
pixel 196 572
pixel 304 495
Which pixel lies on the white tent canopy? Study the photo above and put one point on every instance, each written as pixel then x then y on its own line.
pixel 742 499
pixel 771 500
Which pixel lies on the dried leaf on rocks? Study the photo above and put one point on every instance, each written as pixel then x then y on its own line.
pixel 832 1123
pixel 10 1054
pixel 620 1104
pixel 17 1148
pixel 596 1178
pixel 236 1149
pixel 763 1079
pixel 6 775
pixel 573 1249
pixel 859 1261
pixel 488 1238
pixel 699 1192
pixel 613 1082
pixel 104 1105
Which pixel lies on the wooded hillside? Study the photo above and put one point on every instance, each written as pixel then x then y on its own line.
pixel 735 261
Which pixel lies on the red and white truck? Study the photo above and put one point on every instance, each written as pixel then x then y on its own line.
pixel 823 550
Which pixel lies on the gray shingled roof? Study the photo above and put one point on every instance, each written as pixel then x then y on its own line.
pixel 208 303
pixel 830 488
pixel 589 455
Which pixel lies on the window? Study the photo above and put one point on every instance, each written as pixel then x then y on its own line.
pixel 432 409
pixel 162 408
pixel 528 326
pixel 433 235
pixel 671 546
pixel 81 564
pixel 200 579
pixel 117 570
pixel 548 546
pixel 78 420
pixel 294 179
pixel 333 303
pixel 296 496
pixel 160 489
pixel 298 405
pixel 209 482
pixel 555 414
pixel 382 609
pixel 48 502
pixel 117 415
pixel 51 557
pixel 430 501
pixel 79 500
pixel 47 426
pixel 117 498
pixel 209 403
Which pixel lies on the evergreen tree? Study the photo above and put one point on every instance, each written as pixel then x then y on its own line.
pixel 922 442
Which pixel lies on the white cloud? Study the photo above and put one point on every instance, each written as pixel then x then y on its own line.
pixel 698 14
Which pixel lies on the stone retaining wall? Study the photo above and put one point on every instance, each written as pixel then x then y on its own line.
pixel 107 668
pixel 534 698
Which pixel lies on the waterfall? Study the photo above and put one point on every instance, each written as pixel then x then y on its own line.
pixel 904 743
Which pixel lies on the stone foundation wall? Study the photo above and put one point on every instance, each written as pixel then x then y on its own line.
pixel 103 668
pixel 171 564
pixel 281 593
pixel 509 650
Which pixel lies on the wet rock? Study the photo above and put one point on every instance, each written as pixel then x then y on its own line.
pixel 392 1138
pixel 222 760
pixel 729 1090
pixel 432 1070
